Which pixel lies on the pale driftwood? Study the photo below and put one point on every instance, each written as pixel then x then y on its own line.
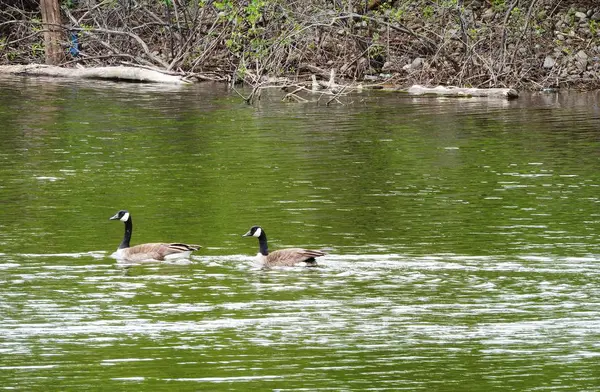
pixel 450 91
pixel 131 74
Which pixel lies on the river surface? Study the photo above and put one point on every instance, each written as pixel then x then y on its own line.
pixel 462 239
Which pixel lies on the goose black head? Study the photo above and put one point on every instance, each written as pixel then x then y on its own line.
pixel 255 231
pixel 122 215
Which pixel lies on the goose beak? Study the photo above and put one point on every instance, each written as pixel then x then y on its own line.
pixel 114 217
pixel 247 234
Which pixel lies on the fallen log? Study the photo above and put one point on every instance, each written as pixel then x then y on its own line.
pixel 118 73
pixel 451 91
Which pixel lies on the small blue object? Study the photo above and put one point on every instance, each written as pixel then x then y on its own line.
pixel 74 48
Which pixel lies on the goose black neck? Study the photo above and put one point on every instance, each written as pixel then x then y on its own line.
pixel 262 244
pixel 127 236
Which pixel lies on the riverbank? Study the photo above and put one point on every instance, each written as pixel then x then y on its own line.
pixel 525 45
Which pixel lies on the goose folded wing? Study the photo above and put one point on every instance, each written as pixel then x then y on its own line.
pixel 157 251
pixel 292 256
pixel 313 253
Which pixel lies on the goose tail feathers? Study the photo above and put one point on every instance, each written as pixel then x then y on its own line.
pixel 184 247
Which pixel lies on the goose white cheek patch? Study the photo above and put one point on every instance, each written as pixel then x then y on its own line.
pixel 257 233
pixel 125 217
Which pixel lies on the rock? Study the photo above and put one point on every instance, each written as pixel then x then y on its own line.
pixel 581 55
pixel 549 62
pixel 580 15
pixel 488 14
pixel 391 66
pixel 581 61
pixel 362 64
pixel 453 34
pixel 596 16
pixel 417 63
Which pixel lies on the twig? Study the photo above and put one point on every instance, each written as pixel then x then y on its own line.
pixel 107 56
pixel 335 97
pixel 430 45
pixel 254 95
pixel 24 38
pixel 518 43
pixel 136 37
pixel 502 61
pixel 294 96
pixel 288 95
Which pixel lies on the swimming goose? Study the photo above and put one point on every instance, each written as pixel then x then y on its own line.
pixel 283 257
pixel 150 251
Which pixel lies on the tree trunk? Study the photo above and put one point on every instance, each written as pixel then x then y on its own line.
pixel 52 31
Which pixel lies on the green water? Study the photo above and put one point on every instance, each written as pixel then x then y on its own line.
pixel 462 239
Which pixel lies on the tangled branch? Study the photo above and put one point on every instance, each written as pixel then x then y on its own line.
pixel 497 44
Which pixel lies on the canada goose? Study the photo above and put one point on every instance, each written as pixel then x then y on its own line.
pixel 283 257
pixel 148 252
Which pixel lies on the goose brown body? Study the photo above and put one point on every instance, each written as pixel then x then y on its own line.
pixel 151 251
pixel 291 257
pixel 288 257
pixel 155 252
